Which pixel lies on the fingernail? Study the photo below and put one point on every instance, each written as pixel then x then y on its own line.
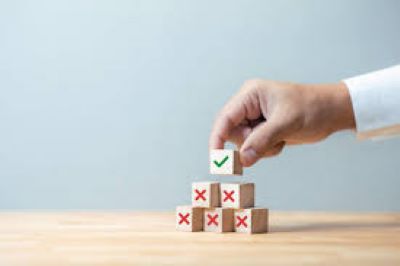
pixel 249 156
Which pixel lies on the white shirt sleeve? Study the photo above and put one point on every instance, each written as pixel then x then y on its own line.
pixel 376 102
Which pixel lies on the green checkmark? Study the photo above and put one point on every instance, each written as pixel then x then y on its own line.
pixel 219 164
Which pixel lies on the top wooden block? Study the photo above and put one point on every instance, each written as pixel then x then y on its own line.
pixel 225 162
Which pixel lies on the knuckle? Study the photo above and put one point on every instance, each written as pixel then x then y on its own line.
pixel 252 84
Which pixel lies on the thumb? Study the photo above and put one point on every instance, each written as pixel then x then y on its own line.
pixel 265 138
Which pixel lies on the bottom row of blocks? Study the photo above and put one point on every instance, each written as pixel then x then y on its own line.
pixel 194 219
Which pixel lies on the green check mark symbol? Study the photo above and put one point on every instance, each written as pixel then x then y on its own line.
pixel 219 164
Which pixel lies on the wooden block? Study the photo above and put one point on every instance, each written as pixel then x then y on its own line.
pixel 189 218
pixel 251 221
pixel 237 195
pixel 218 220
pixel 206 194
pixel 225 162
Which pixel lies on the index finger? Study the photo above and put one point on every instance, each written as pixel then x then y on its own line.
pixel 232 115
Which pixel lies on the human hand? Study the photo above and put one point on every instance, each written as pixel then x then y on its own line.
pixel 264 116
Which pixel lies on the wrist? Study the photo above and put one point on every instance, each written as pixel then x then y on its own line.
pixel 341 107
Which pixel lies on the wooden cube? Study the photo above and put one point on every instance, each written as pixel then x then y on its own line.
pixel 225 162
pixel 251 221
pixel 206 194
pixel 218 220
pixel 189 219
pixel 237 195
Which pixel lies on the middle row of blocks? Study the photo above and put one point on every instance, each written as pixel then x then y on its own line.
pixel 228 195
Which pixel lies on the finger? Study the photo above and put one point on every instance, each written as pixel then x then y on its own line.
pixel 277 149
pixel 239 134
pixel 261 141
pixel 235 113
pixel 226 121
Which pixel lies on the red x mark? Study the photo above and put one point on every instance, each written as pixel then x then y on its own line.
pixel 241 221
pixel 229 196
pixel 184 218
pixel 200 194
pixel 212 219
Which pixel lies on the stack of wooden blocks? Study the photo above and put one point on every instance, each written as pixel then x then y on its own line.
pixel 222 207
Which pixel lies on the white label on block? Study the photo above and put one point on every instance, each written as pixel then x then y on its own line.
pixel 230 195
pixel 222 162
pixel 243 221
pixel 184 219
pixel 201 194
pixel 212 220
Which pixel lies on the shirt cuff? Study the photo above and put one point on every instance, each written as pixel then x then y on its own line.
pixel 376 102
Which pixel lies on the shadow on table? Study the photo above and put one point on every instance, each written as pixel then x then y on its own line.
pixel 328 226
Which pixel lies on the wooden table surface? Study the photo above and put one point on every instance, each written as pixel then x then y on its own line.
pixel 149 238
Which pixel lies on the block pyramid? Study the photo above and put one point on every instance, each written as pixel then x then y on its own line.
pixel 222 207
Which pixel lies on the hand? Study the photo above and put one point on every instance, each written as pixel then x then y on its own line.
pixel 264 116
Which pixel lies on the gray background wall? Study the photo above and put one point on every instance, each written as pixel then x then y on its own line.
pixel 108 104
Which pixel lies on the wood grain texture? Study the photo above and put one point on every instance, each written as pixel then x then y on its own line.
pixel 149 238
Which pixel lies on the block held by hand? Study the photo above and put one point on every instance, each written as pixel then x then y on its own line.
pixel 225 162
